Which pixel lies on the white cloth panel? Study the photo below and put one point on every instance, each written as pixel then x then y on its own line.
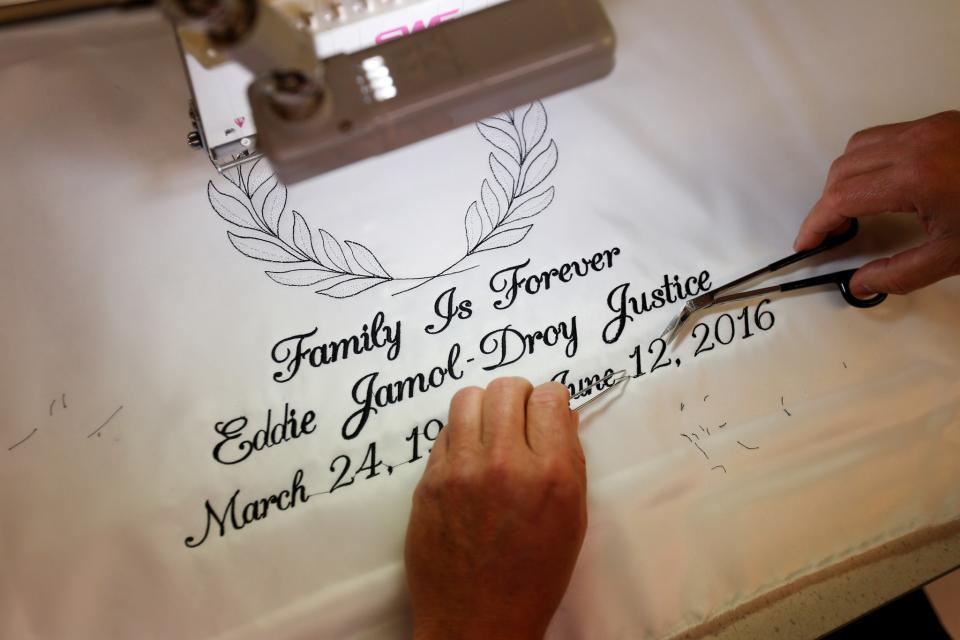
pixel 133 325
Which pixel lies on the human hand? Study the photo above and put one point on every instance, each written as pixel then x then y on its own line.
pixel 907 167
pixel 499 515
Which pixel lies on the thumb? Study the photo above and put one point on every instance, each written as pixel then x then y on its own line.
pixel 908 271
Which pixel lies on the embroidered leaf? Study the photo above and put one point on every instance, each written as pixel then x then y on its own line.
pixel 541 167
pixel 334 251
pixel 229 208
pixel 534 125
pixel 506 116
pixel 351 287
pixel 496 133
pixel 301 277
pixel 258 175
pixel 273 206
pixel 504 239
pixel 257 202
pixel 503 177
pixel 532 207
pixel 490 204
pixel 261 249
pixel 335 279
pixel 259 199
pixel 474 227
pixel 302 238
pixel 503 122
pixel 235 177
pixel 366 260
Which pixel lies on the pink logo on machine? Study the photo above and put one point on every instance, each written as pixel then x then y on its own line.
pixel 419 25
pixel 239 121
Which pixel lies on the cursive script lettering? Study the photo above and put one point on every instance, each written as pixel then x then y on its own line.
pixel 510 283
pixel 626 306
pixel 226 451
pixel 447 308
pixel 593 383
pixel 293 351
pixel 371 397
pixel 511 345
pixel 236 518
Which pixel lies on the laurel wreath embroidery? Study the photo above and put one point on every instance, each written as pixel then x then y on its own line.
pixel 255 203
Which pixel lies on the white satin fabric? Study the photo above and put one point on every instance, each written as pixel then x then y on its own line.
pixel 703 151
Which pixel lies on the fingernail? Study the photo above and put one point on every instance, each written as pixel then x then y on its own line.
pixel 862 290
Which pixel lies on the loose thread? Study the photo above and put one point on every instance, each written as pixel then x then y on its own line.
pixel 24 440
pixel 97 430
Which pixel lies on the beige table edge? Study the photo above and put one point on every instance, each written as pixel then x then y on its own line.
pixel 823 601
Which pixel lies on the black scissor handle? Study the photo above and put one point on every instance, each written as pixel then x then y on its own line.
pixel 842 280
pixel 829 243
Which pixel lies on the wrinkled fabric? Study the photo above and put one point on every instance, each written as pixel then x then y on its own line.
pixel 133 325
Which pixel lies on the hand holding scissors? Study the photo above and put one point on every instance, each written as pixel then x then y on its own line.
pixel 725 293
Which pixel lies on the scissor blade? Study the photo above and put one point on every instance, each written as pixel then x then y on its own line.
pixel 673 329
pixel 703 301
pixel 612 380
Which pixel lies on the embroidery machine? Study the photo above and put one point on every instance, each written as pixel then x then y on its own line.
pixel 318 84
pixel 330 83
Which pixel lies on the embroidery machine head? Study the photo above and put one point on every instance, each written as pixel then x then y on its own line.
pixel 329 83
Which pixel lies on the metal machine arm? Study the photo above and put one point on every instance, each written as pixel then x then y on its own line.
pixel 314 116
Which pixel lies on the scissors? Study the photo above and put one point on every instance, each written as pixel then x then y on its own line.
pixel 839 278
pixel 611 379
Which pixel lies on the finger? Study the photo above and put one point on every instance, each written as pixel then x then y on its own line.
pixel 575 428
pixel 504 413
pixel 865 159
pixel 551 425
pixel 440 451
pixel 578 446
pixel 908 271
pixel 464 425
pixel 879 134
pixel 868 194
